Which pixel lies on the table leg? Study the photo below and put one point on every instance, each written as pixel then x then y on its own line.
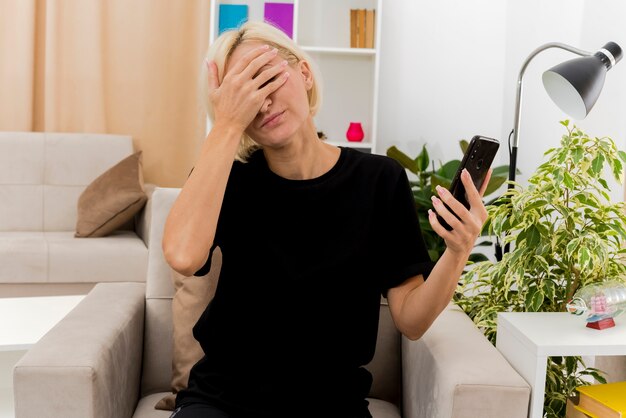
pixel 530 366
pixel 537 380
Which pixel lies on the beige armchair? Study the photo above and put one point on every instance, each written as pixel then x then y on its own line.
pixel 111 357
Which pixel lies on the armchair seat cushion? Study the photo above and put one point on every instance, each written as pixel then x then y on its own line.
pixel 383 409
pixel 145 407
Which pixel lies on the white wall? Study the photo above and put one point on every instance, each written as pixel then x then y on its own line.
pixel 449 70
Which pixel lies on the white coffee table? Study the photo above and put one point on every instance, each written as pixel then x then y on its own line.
pixel 527 339
pixel 23 321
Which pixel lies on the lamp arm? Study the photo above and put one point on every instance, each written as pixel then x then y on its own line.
pixel 518 98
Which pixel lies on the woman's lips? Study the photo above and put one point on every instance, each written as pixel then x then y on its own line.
pixel 272 120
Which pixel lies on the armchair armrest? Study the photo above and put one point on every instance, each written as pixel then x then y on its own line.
pixel 89 364
pixel 453 371
pixel 161 202
pixel 144 217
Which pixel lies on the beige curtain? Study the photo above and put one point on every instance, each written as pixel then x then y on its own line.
pixel 108 66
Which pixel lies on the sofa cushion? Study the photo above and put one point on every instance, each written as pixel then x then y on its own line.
pixel 23 257
pixel 386 363
pixel 76 159
pixel 156 374
pixel 21 207
pixel 192 296
pixel 120 257
pixel 60 207
pixel 145 408
pixel 112 199
pixel 383 409
pixel 21 158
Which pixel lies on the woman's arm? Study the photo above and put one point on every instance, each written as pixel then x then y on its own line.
pixel 415 304
pixel 191 224
pixel 190 227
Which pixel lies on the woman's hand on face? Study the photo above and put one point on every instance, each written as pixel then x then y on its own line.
pixel 462 238
pixel 238 99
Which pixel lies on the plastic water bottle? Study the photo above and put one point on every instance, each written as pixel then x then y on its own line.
pixel 599 300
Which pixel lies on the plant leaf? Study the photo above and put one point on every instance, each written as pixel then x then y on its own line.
pixel 448 170
pixel 464 144
pixel 597 163
pixel 404 160
pixel 422 161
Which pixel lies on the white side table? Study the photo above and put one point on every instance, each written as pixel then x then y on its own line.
pixel 527 339
pixel 23 321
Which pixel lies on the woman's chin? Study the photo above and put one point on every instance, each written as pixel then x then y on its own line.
pixel 275 139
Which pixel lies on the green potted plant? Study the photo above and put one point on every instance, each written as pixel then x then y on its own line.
pixel 564 233
pixel 428 176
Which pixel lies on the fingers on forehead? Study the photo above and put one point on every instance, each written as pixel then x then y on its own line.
pixel 240 58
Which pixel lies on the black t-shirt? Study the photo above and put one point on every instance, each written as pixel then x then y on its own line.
pixel 304 263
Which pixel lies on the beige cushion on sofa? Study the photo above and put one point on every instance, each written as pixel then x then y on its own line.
pixel 192 296
pixel 112 199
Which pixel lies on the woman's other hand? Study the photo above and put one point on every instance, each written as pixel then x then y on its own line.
pixel 462 238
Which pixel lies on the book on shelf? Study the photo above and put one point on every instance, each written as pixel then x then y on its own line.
pixel 572 412
pixel 362 28
pixel 370 17
pixel 605 400
pixel 231 16
pixel 360 19
pixel 281 15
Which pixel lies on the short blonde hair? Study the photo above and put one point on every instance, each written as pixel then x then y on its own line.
pixel 225 44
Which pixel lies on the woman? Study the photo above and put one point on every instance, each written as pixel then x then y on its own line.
pixel 311 235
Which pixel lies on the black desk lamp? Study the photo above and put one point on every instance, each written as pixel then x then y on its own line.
pixel 574 86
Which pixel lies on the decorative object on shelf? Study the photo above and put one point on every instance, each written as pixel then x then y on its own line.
pixel 355 132
pixel 565 233
pixel 600 301
pixel 280 15
pixel 232 16
pixel 362 28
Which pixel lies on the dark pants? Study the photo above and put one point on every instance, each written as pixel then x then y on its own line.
pixel 198 410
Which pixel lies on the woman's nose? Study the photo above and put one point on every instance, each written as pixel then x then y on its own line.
pixel 266 105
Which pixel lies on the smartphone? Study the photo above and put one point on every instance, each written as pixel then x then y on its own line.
pixel 477 160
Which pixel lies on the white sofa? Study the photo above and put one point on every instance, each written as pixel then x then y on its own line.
pixel 41 178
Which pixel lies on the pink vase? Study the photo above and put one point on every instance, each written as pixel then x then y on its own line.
pixel 355 132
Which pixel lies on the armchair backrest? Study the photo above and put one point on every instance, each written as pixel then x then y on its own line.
pixel 157 359
pixel 42 174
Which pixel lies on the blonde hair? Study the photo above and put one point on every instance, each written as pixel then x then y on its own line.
pixel 221 50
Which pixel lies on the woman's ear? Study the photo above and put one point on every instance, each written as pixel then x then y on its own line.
pixel 306 73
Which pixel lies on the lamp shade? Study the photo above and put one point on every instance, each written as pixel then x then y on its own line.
pixel 574 85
